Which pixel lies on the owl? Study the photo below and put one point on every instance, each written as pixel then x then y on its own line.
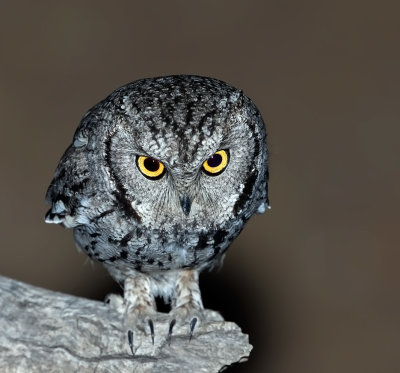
pixel 160 178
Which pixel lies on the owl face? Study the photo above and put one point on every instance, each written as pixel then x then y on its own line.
pixel 188 166
pixel 162 174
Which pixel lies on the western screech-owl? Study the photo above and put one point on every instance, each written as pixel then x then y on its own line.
pixel 161 176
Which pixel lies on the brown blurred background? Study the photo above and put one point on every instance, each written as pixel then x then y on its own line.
pixel 315 281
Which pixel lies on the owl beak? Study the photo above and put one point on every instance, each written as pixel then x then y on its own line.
pixel 186 204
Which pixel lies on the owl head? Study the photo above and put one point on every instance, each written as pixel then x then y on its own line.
pixel 178 150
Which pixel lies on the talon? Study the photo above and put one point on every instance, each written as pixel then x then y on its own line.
pixel 171 326
pixel 193 323
pixel 130 340
pixel 151 326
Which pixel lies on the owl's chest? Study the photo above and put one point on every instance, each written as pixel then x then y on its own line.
pixel 154 250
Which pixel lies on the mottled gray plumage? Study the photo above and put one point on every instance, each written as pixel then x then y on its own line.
pixel 185 218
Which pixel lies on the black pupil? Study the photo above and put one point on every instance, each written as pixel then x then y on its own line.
pixel 215 160
pixel 151 164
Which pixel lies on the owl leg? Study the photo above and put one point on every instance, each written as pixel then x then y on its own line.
pixel 187 306
pixel 140 307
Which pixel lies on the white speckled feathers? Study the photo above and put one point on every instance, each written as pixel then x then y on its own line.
pixel 186 218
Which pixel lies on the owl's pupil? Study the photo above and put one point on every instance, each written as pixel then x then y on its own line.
pixel 215 160
pixel 151 164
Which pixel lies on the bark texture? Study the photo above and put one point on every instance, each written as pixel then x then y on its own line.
pixel 46 331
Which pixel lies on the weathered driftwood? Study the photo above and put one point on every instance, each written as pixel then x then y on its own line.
pixel 46 331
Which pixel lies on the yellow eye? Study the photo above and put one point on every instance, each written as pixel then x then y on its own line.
pixel 216 163
pixel 150 167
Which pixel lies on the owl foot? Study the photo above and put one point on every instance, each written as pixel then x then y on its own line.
pixel 137 306
pixel 183 315
pixel 134 318
pixel 131 335
pixel 138 319
pixel 115 302
pixel 187 307
pixel 140 308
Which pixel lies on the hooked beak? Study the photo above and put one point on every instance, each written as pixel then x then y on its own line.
pixel 186 204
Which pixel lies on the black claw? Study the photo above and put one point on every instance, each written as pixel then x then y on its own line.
pixel 151 326
pixel 130 340
pixel 171 326
pixel 193 323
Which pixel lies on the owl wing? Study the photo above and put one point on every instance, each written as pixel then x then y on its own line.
pixel 264 205
pixel 66 191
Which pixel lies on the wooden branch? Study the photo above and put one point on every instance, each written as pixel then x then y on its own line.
pixel 46 331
